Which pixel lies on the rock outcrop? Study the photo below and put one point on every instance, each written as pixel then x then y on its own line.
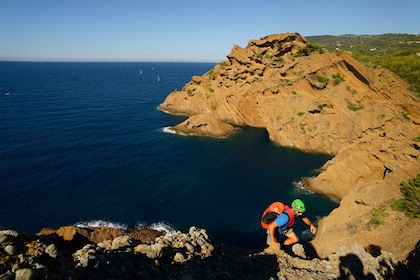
pixel 100 234
pixel 180 256
pixel 319 102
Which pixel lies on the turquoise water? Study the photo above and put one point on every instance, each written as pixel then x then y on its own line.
pixel 83 143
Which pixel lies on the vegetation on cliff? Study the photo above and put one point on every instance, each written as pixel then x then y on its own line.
pixel 320 101
pixel 410 203
pixel 399 53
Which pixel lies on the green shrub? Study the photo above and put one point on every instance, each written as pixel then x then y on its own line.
pixel 308 49
pixel 211 74
pixel 337 78
pixel 410 203
pixel 399 205
pixel 302 128
pixel 286 82
pixel 353 91
pixel 406 64
pixel 295 94
pixel 268 56
pixel 318 105
pixel 416 139
pixel 322 79
pixel 378 218
pixel 406 115
pixel 278 59
pixel 224 63
pixel 354 107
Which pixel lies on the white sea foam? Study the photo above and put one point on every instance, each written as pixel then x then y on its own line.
pixel 101 223
pixel 140 225
pixel 161 226
pixel 167 112
pixel 300 188
pixel 168 130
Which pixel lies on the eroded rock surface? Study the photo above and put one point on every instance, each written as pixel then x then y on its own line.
pixel 319 102
pixel 181 255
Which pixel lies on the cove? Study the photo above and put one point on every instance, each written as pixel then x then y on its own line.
pixel 225 184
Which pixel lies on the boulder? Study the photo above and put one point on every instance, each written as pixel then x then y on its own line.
pixel 204 125
pixel 121 242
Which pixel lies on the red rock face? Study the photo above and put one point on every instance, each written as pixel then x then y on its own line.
pixel 323 102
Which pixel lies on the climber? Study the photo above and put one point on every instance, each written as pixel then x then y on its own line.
pixel 282 217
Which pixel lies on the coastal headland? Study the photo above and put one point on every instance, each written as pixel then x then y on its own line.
pixel 318 101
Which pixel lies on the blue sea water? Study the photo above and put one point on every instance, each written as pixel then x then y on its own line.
pixel 84 143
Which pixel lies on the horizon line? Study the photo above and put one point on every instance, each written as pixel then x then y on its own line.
pixel 108 61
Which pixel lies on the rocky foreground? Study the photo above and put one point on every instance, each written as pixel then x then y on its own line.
pixel 106 253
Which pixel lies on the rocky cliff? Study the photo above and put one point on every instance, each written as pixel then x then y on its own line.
pixel 106 253
pixel 318 101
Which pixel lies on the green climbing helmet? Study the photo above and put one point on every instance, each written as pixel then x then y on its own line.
pixel 298 205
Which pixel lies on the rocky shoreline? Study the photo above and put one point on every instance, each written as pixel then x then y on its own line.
pixel 326 102
pixel 106 253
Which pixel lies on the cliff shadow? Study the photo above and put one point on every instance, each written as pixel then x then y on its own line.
pixel 226 262
pixel 407 269
pixel 413 262
pixel 351 267
pixel 245 240
pixel 410 268
pixel 239 263
pixel 310 251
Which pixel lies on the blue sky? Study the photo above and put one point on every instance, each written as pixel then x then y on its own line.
pixel 157 30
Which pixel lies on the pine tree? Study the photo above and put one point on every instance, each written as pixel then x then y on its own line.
pixel 410 204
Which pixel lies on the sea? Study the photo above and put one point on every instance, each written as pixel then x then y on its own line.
pixel 83 143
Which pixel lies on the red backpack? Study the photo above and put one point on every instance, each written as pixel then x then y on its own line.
pixel 275 209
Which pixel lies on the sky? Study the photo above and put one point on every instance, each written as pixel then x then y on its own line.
pixel 186 30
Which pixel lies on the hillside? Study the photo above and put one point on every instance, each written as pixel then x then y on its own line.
pixel 326 102
pixel 369 45
pixel 399 53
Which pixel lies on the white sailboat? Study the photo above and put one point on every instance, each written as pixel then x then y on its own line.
pixel 158 79
pixel 141 72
